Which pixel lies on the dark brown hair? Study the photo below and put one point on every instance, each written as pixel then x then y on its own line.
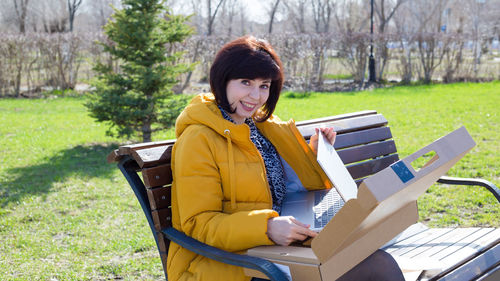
pixel 250 58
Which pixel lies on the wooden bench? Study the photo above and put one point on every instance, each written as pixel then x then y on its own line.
pixel 365 144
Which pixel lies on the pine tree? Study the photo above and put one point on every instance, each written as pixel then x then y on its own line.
pixel 138 98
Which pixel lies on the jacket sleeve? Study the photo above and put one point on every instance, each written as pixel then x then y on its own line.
pixel 200 198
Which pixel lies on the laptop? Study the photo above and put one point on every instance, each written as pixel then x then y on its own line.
pixel 318 207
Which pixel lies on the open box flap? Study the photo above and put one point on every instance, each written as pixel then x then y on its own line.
pixel 368 243
pixel 388 191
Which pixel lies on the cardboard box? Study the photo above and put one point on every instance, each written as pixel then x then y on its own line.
pixel 384 207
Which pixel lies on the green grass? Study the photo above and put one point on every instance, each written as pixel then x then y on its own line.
pixel 65 214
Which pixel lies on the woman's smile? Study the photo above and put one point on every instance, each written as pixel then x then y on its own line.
pixel 246 96
pixel 248 106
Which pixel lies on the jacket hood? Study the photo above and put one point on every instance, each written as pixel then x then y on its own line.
pixel 204 111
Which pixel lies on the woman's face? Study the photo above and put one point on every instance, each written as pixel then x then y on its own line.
pixel 246 96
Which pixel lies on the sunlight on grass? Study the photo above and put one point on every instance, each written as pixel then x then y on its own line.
pixel 68 215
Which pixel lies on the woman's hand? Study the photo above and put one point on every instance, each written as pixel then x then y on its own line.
pixel 285 230
pixel 328 132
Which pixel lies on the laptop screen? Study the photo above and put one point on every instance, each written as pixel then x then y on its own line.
pixel 335 169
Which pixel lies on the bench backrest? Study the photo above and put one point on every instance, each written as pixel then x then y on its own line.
pixel 364 143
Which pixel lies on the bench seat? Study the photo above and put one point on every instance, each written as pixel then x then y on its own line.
pixel 365 145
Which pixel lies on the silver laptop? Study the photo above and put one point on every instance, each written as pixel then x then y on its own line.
pixel 317 208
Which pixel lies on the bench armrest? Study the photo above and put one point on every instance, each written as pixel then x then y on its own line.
pixel 469 181
pixel 262 265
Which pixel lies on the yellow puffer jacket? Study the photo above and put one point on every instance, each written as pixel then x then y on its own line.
pixel 220 193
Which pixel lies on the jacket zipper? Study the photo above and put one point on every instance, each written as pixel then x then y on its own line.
pixel 263 165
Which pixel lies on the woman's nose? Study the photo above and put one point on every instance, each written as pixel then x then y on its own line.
pixel 255 93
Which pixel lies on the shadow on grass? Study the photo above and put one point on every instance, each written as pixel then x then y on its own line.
pixel 82 161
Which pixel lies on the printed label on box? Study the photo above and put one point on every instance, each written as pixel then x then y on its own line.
pixel 402 171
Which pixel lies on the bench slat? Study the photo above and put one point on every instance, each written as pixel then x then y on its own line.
pixel 153 156
pixel 336 117
pixel 443 249
pixel 446 240
pixel 466 242
pixel 113 156
pixel 162 218
pixel 362 137
pixel 163 256
pixel 367 168
pixel 471 269
pixel 368 151
pixel 474 247
pixel 159 198
pixel 415 241
pixel 157 176
pixel 163 242
pixel 347 125
pixel 127 149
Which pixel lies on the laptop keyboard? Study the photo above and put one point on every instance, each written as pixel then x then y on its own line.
pixel 325 207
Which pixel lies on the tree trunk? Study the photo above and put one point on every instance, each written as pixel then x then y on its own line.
pixel 272 15
pixel 190 73
pixel 383 58
pixel 21 14
pixel 73 6
pixel 18 80
pixel 211 17
pixel 146 131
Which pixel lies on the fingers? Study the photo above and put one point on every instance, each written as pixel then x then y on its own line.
pixel 286 230
pixel 306 232
pixel 314 138
pixel 303 229
pixel 329 133
pixel 299 223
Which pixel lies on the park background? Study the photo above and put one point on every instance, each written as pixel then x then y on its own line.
pixel 65 214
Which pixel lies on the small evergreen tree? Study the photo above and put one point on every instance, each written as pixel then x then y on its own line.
pixel 138 99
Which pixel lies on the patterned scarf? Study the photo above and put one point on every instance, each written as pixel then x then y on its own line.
pixel 274 168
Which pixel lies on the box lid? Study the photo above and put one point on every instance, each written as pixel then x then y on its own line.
pixel 388 191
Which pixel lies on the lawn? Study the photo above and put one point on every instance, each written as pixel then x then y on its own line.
pixel 65 214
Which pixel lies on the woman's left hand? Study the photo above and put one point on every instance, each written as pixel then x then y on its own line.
pixel 328 132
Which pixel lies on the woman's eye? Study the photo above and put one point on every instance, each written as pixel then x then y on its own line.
pixel 245 82
pixel 264 87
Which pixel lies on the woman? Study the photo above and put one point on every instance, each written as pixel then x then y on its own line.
pixel 233 161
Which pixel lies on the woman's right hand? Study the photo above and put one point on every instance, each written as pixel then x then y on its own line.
pixel 285 230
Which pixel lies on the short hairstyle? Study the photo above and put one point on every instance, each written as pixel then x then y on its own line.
pixel 250 58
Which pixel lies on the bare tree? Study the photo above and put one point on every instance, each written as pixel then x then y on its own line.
pixel 351 16
pixel 431 50
pixel 272 14
pixel 322 13
pixel 297 13
pixel 50 16
pixel 477 11
pixel 243 20
pixel 102 10
pixel 352 19
pixel 211 14
pixel 195 8
pixel 405 32
pixel 21 8
pixel 229 11
pixel 73 6
pixel 385 10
